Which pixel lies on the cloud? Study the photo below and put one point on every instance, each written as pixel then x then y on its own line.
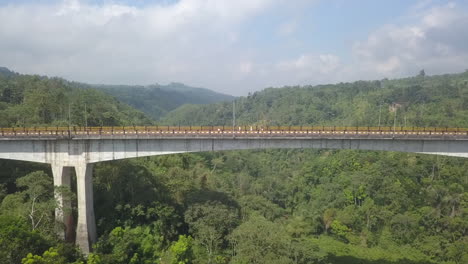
pixel 324 63
pixel 117 43
pixel 308 68
pixel 435 42
pixel 219 44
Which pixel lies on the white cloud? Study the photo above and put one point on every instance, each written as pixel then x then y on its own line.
pixel 204 43
pixel 302 70
pixel 311 64
pixel 118 43
pixel 435 42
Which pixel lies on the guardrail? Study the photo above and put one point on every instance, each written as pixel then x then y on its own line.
pixel 70 132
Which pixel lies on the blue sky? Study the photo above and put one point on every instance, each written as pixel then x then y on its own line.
pixel 233 47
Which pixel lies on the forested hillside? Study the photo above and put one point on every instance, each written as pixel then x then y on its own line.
pixel 417 101
pixel 31 100
pixel 156 100
pixel 273 206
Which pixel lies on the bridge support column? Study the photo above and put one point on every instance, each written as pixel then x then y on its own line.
pixel 63 214
pixel 86 228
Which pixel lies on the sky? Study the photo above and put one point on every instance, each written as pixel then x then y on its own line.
pixel 233 46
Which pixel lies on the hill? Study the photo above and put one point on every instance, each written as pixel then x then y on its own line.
pixel 417 101
pixel 157 100
pixel 6 72
pixel 32 100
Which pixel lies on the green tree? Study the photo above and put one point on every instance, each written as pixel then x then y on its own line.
pixel 208 228
pixel 180 252
pixel 35 201
pixel 142 244
pixel 260 241
pixel 17 240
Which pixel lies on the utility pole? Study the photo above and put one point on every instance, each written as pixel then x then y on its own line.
pixel 380 112
pixel 233 116
pixel 86 116
pixel 69 116
pixel 394 121
pixel 69 120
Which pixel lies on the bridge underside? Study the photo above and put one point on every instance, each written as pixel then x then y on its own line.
pixel 71 152
pixel 81 154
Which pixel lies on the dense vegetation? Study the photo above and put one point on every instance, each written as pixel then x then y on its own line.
pixel 31 100
pixel 274 206
pixel 157 100
pixel 418 101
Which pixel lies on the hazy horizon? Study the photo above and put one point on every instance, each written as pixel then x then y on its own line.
pixel 233 47
pixel 226 93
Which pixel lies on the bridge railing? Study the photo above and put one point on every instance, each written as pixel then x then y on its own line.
pixel 77 130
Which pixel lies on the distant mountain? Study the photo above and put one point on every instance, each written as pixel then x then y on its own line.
pixel 157 100
pixel 6 72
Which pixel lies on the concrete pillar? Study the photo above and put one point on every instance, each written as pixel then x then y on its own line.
pixel 63 214
pixel 86 227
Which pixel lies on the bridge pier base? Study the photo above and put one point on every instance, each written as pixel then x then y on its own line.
pixel 86 227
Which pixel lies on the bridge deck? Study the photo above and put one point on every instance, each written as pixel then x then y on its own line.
pixel 218 132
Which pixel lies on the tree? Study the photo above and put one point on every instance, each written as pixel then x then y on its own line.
pixel 405 227
pixel 260 241
pixel 50 256
pixel 17 240
pixel 180 252
pixel 142 244
pixel 35 200
pixel 339 229
pixel 208 228
pixel 454 198
pixel 422 73
pixel 328 217
pixel 38 190
pixel 370 211
pixel 458 251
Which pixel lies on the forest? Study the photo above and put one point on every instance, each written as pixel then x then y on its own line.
pixel 417 101
pixel 265 206
pixel 157 100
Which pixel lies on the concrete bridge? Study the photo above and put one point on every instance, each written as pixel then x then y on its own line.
pixel 80 148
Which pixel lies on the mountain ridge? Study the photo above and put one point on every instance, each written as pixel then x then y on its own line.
pixel 157 100
pixel 440 100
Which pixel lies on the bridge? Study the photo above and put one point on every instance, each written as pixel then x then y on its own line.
pixel 66 148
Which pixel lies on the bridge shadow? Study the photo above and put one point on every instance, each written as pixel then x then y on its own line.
pixel 127 194
pixel 10 170
pixel 355 260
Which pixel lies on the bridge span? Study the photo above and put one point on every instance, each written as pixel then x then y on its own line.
pixel 80 148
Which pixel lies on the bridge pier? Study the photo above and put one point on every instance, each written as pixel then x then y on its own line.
pixel 86 226
pixel 63 213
